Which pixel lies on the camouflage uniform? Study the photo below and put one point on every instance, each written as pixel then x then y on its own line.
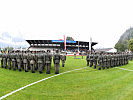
pixel 9 60
pixel 13 56
pixel 91 60
pixel 108 60
pixel 104 61
pixel 87 59
pixel 1 56
pixel 40 62
pixel 32 62
pixel 48 58
pixel 63 59
pixel 56 59
pixel 82 54
pixel 100 61
pixel 25 61
pixel 112 61
pixel 19 61
pixel 74 54
pixel 95 60
pixel 5 60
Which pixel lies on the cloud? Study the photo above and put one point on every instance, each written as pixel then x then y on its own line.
pixel 8 39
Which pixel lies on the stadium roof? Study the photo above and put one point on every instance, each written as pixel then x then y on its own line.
pixel 59 42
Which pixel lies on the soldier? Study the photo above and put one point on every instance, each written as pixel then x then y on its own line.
pixel 5 59
pixel 112 60
pixel 40 58
pixel 25 61
pixel 75 55
pixel 122 59
pixel 22 64
pixel 82 54
pixel 63 59
pixel 32 61
pixel 44 60
pixel 1 56
pixel 108 60
pixel 104 61
pixel 13 57
pixel 91 59
pixel 36 57
pixel 87 58
pixel 56 59
pixel 95 56
pixel 9 60
pixel 100 61
pixel 19 60
pixel 48 58
pixel 28 58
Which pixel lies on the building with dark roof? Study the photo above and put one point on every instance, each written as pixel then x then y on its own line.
pixel 59 44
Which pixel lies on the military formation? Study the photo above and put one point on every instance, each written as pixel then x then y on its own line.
pixel 32 61
pixel 39 60
pixel 108 60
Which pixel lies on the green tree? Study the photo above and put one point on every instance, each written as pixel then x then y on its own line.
pixel 130 44
pixel 69 38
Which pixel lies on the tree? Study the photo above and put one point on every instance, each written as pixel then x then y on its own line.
pixel 69 38
pixel 130 44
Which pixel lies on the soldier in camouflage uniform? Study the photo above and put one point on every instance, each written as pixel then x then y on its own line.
pixel 91 59
pixel 36 58
pixel 22 64
pixel 82 54
pixel 5 60
pixel 13 57
pixel 87 58
pixel 25 61
pixel 120 55
pixel 108 60
pixel 56 59
pixel 1 56
pixel 100 61
pixel 32 62
pixel 63 59
pixel 40 58
pixel 44 60
pixel 19 60
pixel 28 58
pixel 112 60
pixel 95 56
pixel 75 55
pixel 104 61
pixel 9 60
pixel 48 58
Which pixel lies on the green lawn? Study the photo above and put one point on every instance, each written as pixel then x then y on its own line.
pixel 85 84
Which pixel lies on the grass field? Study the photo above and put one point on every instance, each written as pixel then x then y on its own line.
pixel 85 84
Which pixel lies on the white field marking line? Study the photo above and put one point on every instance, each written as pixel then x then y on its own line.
pixel 124 69
pixel 37 82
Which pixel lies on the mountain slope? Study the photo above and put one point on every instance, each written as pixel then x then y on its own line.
pixel 122 44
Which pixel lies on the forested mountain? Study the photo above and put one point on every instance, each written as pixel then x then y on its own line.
pixel 122 44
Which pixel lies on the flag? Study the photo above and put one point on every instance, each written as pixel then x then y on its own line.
pixel 90 43
pixel 60 39
pixel 7 51
pixel 3 50
pixel 64 43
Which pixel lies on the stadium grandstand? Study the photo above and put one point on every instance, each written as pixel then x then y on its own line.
pixel 59 44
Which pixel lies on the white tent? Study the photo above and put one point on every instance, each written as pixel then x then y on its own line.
pixel 112 50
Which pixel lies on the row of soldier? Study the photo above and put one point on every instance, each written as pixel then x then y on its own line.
pixel 108 60
pixel 31 60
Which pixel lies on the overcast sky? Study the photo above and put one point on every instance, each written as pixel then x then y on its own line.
pixel 103 20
